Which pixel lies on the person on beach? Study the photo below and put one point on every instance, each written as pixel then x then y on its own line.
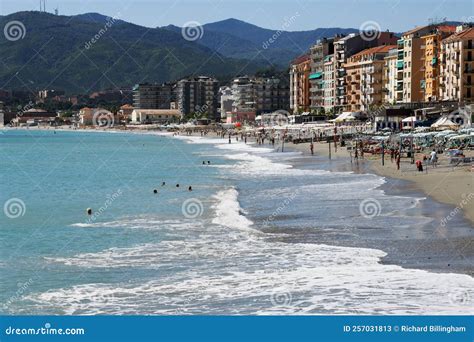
pixel 433 158
pixel 398 161
pixel 311 147
pixel 419 165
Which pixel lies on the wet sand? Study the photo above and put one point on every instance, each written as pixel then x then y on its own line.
pixel 446 184
pixel 441 246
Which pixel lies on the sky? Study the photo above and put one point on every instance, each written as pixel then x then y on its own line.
pixel 395 15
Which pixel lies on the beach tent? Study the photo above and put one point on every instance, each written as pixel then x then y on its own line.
pixel 345 116
pixel 444 122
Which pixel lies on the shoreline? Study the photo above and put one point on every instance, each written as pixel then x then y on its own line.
pixel 454 187
pixel 444 248
pixel 434 182
pixel 434 256
pixel 426 252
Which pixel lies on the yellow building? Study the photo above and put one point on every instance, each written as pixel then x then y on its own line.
pixel 431 46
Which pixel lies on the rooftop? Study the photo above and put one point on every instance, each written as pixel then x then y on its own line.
pixel 375 50
pixel 465 34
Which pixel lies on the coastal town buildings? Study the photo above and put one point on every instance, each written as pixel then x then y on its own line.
pixel 243 95
pixel 410 56
pixel 152 96
pixel 431 46
pixel 300 69
pixel 329 83
pixel 271 94
pixel 198 96
pixel 364 78
pixel 457 67
pixel 155 116
pixel 389 80
pixel 227 100
pixel 50 94
pixel 319 51
pixel 259 95
pixel 346 47
pixel 95 116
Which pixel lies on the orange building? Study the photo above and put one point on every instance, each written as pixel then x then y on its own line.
pixel 431 47
pixel 299 84
pixel 364 78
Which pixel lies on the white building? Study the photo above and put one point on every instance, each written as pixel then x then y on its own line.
pixel 390 77
pixel 329 83
pixel 162 116
pixel 226 101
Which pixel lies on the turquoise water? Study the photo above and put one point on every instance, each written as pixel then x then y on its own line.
pixel 256 235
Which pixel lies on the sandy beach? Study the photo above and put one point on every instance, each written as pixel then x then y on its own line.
pixel 446 184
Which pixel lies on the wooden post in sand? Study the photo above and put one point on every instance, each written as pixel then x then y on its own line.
pixel 383 153
pixel 329 144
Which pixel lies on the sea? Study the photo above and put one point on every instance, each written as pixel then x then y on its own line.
pixel 261 231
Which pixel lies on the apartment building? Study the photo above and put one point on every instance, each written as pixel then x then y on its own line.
pixel 457 67
pixel 410 56
pixel 227 100
pixel 198 95
pixel 152 96
pixel 300 70
pixel 329 83
pixel 364 79
pixel 271 94
pixel 346 47
pixel 431 46
pixel 319 51
pixel 389 80
pixel 259 95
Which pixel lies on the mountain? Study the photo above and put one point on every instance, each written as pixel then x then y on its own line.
pixel 80 54
pixel 236 38
pixel 96 18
